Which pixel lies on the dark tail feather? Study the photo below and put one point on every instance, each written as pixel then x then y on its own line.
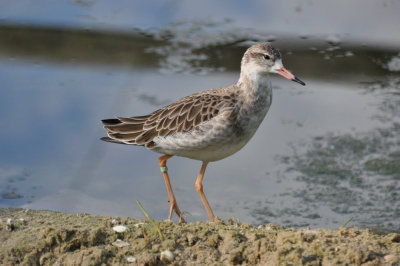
pixel 107 139
pixel 110 122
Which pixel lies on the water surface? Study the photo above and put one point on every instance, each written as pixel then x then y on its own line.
pixel 325 152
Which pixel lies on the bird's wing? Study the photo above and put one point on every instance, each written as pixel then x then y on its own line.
pixel 178 117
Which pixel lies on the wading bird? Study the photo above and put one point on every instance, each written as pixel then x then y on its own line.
pixel 206 126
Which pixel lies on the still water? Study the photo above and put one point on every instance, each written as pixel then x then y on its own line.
pixel 325 153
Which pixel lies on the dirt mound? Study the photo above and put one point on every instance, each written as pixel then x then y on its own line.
pixel 53 238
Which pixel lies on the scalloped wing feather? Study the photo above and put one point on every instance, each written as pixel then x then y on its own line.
pixel 181 116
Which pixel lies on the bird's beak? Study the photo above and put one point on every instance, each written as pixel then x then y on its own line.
pixel 285 73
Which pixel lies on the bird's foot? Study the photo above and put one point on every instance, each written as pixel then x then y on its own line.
pixel 174 207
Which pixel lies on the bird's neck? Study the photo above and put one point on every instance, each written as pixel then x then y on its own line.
pixel 254 84
pixel 255 97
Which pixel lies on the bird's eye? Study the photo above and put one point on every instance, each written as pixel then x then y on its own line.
pixel 267 57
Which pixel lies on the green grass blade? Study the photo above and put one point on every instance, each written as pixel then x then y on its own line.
pixel 151 220
pixel 346 223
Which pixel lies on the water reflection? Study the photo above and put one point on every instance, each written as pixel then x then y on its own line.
pixel 193 55
pixel 363 21
pixel 346 174
pixel 13 186
pixel 351 175
pixel 76 46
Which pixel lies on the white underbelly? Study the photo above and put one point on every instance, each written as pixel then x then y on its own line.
pixel 214 141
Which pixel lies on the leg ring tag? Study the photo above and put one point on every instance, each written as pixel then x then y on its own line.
pixel 164 169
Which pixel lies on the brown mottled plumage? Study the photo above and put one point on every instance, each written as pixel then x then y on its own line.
pixel 179 117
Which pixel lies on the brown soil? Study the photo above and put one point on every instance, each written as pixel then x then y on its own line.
pixel 53 238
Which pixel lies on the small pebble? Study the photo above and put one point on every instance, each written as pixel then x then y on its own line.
pixel 131 259
pixel 120 228
pixel 139 225
pixel 120 244
pixel 269 227
pixel 10 224
pixel 167 256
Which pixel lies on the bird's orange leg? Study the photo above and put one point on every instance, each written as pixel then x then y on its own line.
pixel 172 201
pixel 199 188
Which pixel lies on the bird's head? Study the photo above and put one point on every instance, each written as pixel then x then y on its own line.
pixel 262 58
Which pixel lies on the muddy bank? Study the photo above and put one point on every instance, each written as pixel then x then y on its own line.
pixel 52 238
